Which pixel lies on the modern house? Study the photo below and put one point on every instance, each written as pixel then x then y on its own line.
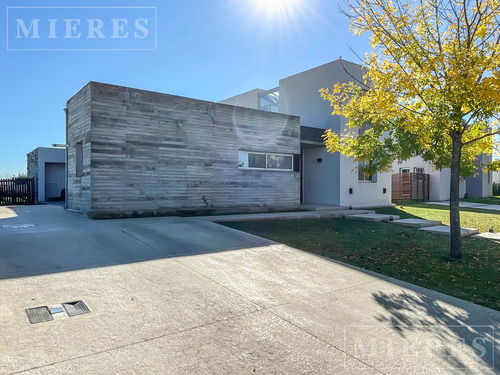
pixel 133 152
pixel 47 166
pixel 331 179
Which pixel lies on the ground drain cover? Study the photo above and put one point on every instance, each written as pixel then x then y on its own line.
pixel 75 308
pixel 39 315
pixel 19 226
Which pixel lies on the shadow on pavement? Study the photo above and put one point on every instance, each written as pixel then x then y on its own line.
pixel 36 240
pixel 419 313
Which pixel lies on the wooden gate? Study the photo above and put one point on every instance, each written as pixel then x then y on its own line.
pixel 17 191
pixel 410 187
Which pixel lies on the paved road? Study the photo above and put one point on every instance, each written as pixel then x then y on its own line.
pixel 182 296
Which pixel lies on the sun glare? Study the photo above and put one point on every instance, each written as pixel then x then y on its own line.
pixel 276 7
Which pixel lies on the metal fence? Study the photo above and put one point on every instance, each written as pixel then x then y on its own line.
pixel 17 191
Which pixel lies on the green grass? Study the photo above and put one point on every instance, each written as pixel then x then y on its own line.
pixel 469 217
pixel 403 253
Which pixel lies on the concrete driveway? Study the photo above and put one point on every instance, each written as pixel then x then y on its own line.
pixel 181 296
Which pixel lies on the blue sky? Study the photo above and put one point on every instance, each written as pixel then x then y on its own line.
pixel 210 50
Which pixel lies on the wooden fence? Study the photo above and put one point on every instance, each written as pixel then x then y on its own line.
pixel 17 191
pixel 410 187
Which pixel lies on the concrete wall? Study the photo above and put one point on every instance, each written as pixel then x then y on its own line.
pixel 152 153
pixel 249 99
pixel 78 129
pixel 46 164
pixel 320 179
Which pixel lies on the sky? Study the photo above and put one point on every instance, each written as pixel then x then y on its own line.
pixel 210 50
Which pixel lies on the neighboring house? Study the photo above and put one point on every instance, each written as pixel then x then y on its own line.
pixel 47 166
pixel 495 177
pixel 133 152
pixel 478 185
pixel 439 181
pixel 326 178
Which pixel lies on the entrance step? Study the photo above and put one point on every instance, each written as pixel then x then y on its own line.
pixel 445 230
pixel 321 207
pixel 377 218
pixel 417 223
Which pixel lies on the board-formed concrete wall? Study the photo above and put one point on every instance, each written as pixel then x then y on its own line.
pixel 78 125
pixel 147 153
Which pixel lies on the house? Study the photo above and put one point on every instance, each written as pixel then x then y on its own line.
pixel 330 179
pixel 47 166
pixel 439 181
pixel 133 152
pixel 478 185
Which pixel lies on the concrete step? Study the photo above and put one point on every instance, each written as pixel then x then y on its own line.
pixel 377 218
pixel 445 230
pixel 416 223
pixel 488 235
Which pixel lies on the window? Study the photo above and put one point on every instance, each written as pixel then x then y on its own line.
pixel 404 170
pixel 363 175
pixel 419 170
pixel 79 159
pixel 278 161
pixel 269 100
pixel 261 160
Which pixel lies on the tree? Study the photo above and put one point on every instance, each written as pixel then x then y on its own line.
pixel 431 88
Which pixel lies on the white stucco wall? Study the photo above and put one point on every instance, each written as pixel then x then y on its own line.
pixel 364 193
pixel 249 99
pixel 299 93
pixel 320 179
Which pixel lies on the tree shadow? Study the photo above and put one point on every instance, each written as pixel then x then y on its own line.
pixel 411 313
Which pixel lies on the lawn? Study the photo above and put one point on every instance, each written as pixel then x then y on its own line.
pixel 403 253
pixel 469 217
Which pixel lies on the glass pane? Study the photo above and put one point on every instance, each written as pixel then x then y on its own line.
pixel 243 159
pixel 256 161
pixel 363 175
pixel 279 161
pixel 269 101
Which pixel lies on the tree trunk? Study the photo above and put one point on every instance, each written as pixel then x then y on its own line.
pixel 455 235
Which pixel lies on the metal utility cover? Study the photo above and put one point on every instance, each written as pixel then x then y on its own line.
pixel 39 314
pixel 75 308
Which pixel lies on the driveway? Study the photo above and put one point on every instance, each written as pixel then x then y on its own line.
pixel 180 296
